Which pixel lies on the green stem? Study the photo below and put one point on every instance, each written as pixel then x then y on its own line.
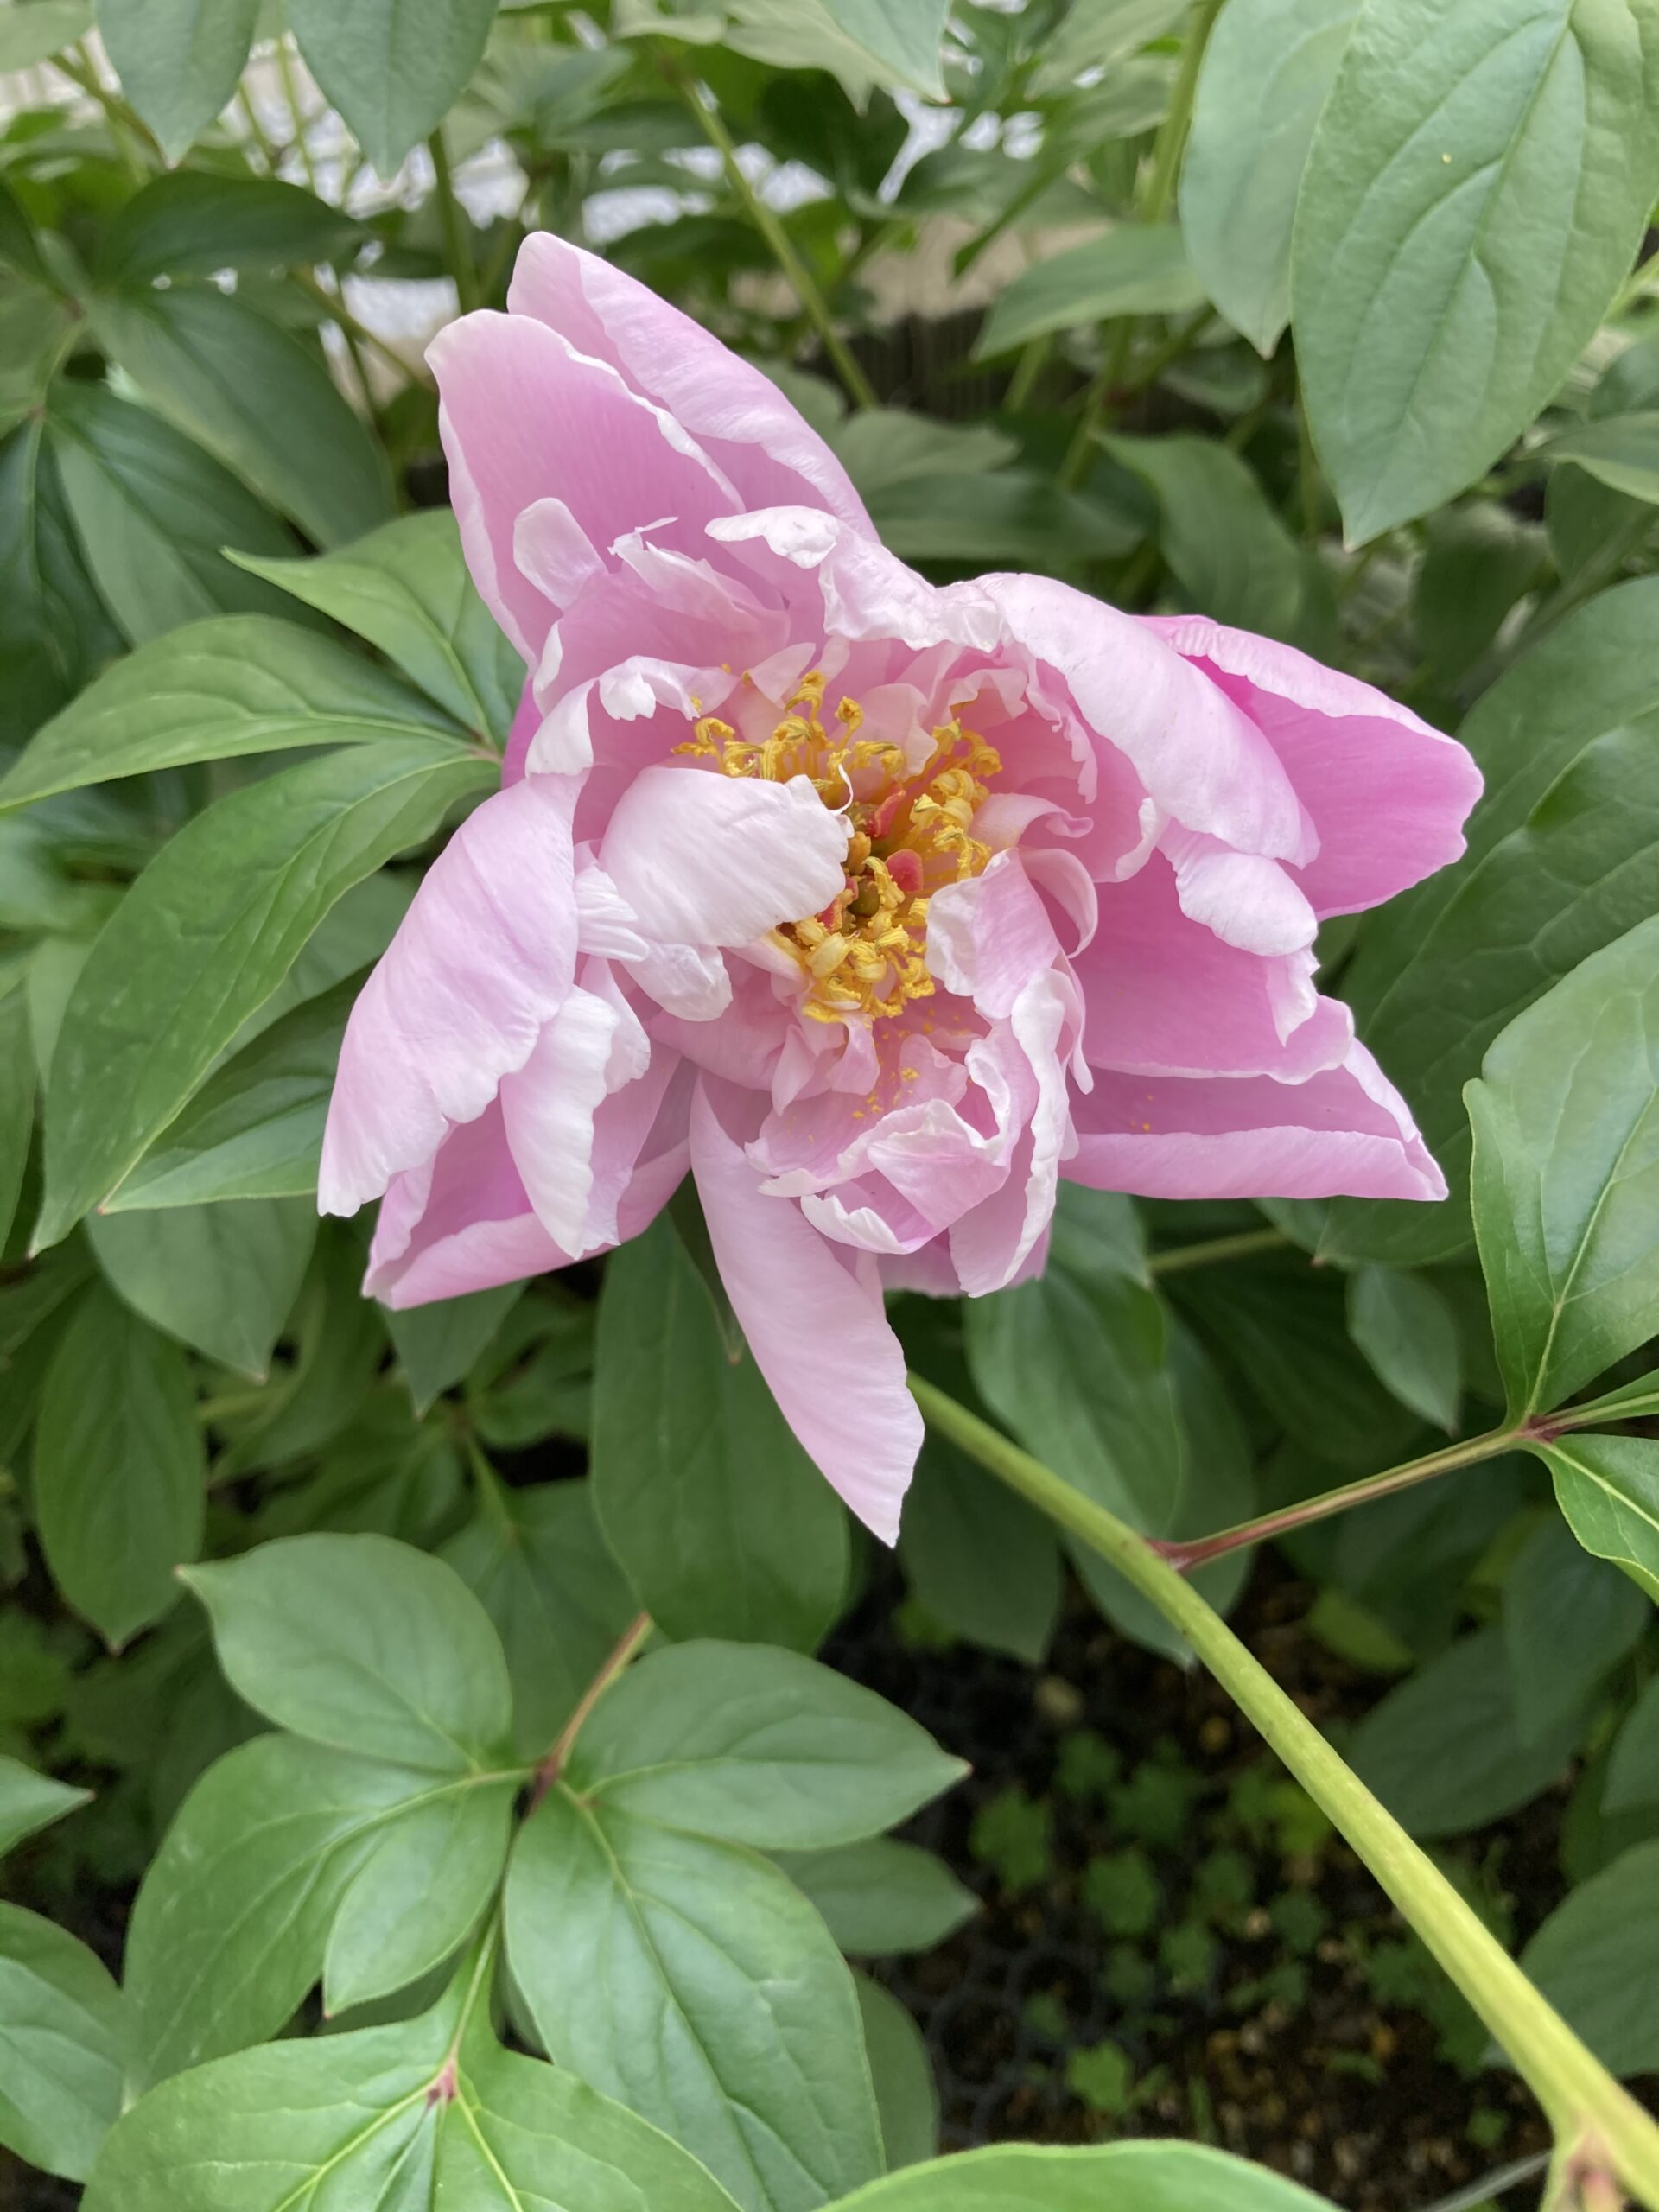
pixel 339 312
pixel 1108 379
pixel 766 220
pixel 1170 142
pixel 453 219
pixel 1026 370
pixel 1307 474
pixel 296 120
pixel 628 1650
pixel 1581 2099
pixel 1197 1550
pixel 1214 1250
pixel 126 124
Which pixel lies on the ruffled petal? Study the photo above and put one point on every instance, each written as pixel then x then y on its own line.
pixel 482 961
pixel 758 437
pixel 813 1318
pixel 592 1047
pixel 525 418
pixel 711 860
pixel 986 936
pixel 1346 1131
pixel 1203 761
pixel 1388 795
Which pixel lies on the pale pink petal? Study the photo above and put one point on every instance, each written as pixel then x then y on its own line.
pixel 1346 1130
pixel 990 1245
pixel 852 583
pixel 711 860
pixel 524 417
pixel 1246 900
pixel 482 959
pixel 1166 996
pixel 605 921
pixel 1201 760
pixel 1387 794
pixel 813 1318
pixel 591 1048
pixel 986 936
pixel 739 413
pixel 460 1221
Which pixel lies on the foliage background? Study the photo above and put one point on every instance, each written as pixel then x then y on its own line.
pixel 1335 323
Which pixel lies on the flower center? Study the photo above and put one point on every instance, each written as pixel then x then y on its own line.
pixel 908 833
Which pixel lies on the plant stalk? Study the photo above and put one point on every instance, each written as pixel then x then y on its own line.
pixel 1196 1551
pixel 453 220
pixel 1214 1250
pixel 628 1650
pixel 766 220
pixel 1579 2097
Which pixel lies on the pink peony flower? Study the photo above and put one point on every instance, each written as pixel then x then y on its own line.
pixel 877 905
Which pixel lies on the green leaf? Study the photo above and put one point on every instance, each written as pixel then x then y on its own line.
pixel 1445 1751
pixel 1125 2176
pixel 1077 1370
pixel 154 513
pixel 756 1746
pixel 883 446
pixel 1565 1175
pixel 255 396
pixel 364 1644
pixel 1608 1487
pixel 207 933
pixel 178 61
pixel 1092 37
pixel 216 690
pixel 1480 560
pixel 1563 856
pixel 254 1130
pixel 879 1898
pixel 18 1084
pixel 196 222
pixel 1596 1959
pixel 906 2100
pixel 982 1561
pixel 1621 451
pixel 1268 69
pixel 902 37
pixel 691 1980
pixel 1225 546
pixel 1137 269
pixel 716 1516
pixel 1633 1768
pixel 428 2111
pixel 32 33
pixel 1477 186
pixel 406 589
pixel 438 1346
pixel 54 630
pixel 393 67
pixel 1568 1619
pixel 232 1917
pixel 37 318
pixel 222 1279
pixel 61 2046
pixel 419 1894
pixel 536 1563
pixel 1410 1337
pixel 119 1471
pixel 1013 514
pixel 29 1801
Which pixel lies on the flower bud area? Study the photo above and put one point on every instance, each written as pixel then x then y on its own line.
pixel 910 832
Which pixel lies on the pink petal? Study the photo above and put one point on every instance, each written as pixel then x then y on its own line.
pixel 525 419
pixel 989 936
pixel 1387 794
pixel 814 1320
pixel 853 585
pixel 482 959
pixel 990 1246
pixel 705 859
pixel 1346 1130
pixel 592 1047
pixel 760 441
pixel 460 1221
pixel 1201 760
pixel 1244 900
pixel 1166 996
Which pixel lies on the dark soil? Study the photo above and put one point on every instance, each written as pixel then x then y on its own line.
pixel 1292 2059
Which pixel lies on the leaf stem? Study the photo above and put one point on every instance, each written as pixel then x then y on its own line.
pixel 1579 2097
pixel 626 1650
pixel 453 220
pixel 1214 1250
pixel 766 220
pixel 412 371
pixel 1170 142
pixel 1197 1550
pixel 126 124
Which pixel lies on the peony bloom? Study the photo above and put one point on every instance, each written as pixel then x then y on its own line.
pixel 876 905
